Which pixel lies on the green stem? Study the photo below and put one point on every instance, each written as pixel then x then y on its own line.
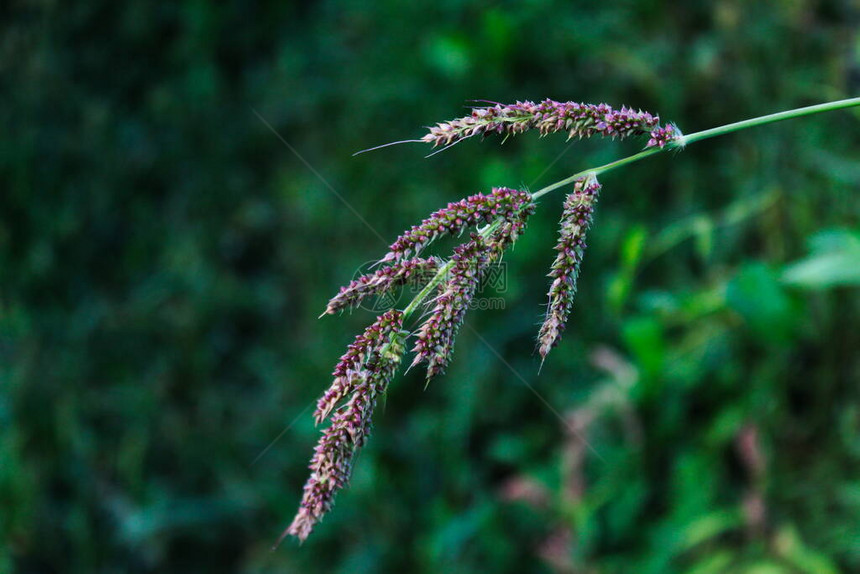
pixel 597 171
pixel 685 140
pixel 432 284
pixel 441 274
pixel 770 119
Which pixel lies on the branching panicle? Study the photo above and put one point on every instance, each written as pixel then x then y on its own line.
pixel 435 338
pixel 575 220
pixel 363 373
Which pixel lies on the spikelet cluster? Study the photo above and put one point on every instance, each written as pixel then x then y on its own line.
pixel 575 220
pixel 509 230
pixel 435 338
pixel 503 203
pixel 363 374
pixel 666 135
pixel 383 280
pixel 576 119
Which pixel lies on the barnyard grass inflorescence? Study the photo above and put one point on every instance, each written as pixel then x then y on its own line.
pixel 364 372
pixel 449 287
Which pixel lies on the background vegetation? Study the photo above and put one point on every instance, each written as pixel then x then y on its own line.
pixel 164 257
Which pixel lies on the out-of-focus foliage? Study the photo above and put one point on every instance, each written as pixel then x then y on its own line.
pixel 164 256
pixel 834 262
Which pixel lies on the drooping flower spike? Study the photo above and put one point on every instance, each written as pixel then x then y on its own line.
pixel 436 336
pixel 383 280
pixel 364 373
pixel 353 363
pixel 575 220
pixel 458 216
pixel 576 119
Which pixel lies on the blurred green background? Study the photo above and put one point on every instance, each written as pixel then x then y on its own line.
pixel 164 257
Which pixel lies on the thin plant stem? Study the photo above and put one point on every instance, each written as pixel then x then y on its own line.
pixel 679 144
pixel 770 119
pixel 441 273
pixel 596 171
pixel 432 284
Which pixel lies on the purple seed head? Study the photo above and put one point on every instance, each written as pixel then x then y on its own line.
pixel 666 135
pixel 400 273
pixel 575 220
pixel 457 217
pixel 435 338
pixel 354 362
pixel 576 119
pixel 369 365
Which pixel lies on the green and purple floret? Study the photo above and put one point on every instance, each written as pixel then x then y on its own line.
pixel 575 221
pixel 382 281
pixel 363 374
pixel 448 287
pixel 576 119
pixel 435 338
pixel 662 136
pixel 480 209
